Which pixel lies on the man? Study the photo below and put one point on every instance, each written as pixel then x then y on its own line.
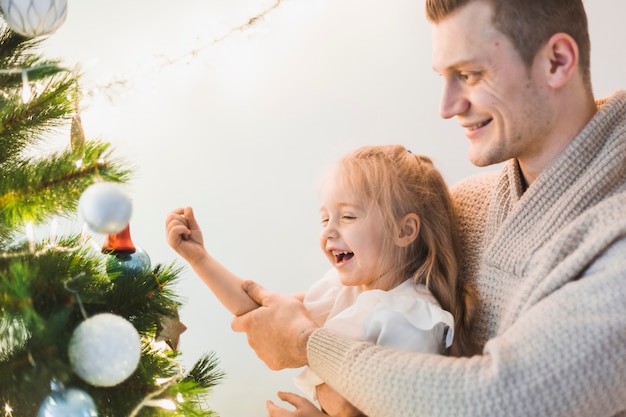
pixel 544 240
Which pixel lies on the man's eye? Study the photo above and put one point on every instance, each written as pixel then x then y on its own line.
pixel 347 217
pixel 469 77
pixel 324 221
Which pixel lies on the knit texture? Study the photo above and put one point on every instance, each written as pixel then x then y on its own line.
pixel 549 265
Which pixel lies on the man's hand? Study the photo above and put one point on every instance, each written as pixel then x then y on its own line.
pixel 278 331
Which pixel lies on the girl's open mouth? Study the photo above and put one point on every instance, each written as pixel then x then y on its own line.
pixel 341 257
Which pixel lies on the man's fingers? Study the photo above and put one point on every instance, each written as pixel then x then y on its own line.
pixel 256 292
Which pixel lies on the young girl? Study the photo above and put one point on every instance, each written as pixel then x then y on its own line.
pixel 389 230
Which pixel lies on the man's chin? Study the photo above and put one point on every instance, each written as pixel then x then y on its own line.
pixel 479 161
pixel 483 160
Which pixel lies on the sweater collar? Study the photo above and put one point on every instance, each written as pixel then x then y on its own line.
pixel 590 168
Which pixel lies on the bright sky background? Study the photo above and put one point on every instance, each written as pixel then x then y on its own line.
pixel 242 128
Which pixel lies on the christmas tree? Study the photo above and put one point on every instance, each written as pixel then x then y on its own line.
pixel 85 329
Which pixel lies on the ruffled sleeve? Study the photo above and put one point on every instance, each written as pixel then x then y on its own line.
pixel 405 318
pixel 328 296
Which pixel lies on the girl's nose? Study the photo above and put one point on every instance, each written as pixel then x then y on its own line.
pixel 329 231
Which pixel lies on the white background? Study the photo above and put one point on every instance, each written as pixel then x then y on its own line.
pixel 241 129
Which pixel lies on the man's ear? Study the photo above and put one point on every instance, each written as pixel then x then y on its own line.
pixel 560 58
pixel 409 228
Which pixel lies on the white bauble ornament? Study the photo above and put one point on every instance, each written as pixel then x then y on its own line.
pixel 71 402
pixel 105 207
pixel 104 350
pixel 33 18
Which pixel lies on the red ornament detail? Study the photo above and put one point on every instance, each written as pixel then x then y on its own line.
pixel 119 243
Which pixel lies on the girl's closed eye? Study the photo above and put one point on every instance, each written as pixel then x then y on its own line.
pixel 348 217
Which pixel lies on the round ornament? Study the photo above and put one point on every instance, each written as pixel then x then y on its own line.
pixel 105 207
pixel 128 265
pixel 31 18
pixel 71 402
pixel 104 350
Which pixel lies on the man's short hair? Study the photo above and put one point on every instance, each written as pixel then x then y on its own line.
pixel 529 24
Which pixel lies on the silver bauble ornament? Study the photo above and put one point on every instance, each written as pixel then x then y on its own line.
pixel 32 18
pixel 71 402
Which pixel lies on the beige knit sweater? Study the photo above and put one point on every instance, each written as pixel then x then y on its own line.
pixel 550 267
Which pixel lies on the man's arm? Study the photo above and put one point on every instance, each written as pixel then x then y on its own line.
pixel 278 331
pixel 564 356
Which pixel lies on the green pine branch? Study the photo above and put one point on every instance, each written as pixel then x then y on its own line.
pixel 43 299
pixel 25 124
pixel 50 286
pixel 35 190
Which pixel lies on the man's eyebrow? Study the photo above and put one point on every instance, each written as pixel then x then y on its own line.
pixel 455 66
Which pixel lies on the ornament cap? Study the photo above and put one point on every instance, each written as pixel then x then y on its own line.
pixel 119 243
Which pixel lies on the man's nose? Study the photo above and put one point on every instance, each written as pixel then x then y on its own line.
pixel 453 101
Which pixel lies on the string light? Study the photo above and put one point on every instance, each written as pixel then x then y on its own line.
pixel 108 88
pixel 164 403
pixel 30 235
pixel 27 95
pixel 53 232
pixel 27 92
pixel 52 245
pixel 159 346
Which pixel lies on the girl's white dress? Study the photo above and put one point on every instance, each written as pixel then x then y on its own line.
pixel 406 318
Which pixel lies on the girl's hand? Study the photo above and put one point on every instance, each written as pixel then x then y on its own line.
pixel 334 404
pixel 303 407
pixel 184 235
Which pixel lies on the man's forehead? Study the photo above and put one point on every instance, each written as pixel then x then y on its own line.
pixel 465 36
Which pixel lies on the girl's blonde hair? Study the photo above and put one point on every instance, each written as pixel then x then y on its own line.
pixel 398 182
